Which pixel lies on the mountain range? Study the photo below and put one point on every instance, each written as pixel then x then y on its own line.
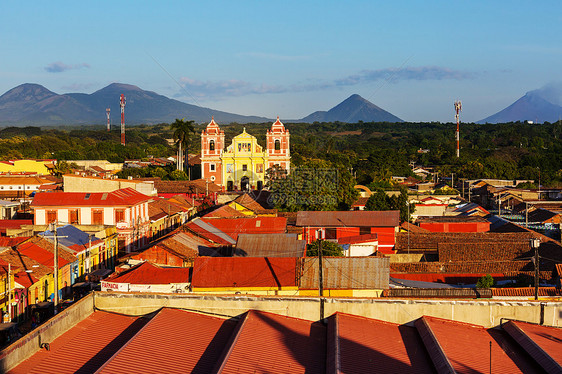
pixel 538 106
pixel 33 104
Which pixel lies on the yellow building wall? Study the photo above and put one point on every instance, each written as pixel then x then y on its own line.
pixel 26 166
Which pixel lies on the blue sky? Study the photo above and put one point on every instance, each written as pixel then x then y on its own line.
pixel 290 58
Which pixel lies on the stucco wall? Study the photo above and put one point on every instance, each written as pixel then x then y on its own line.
pixel 485 313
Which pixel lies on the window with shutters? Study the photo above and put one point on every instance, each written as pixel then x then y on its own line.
pixel 51 216
pixel 73 216
pixel 119 215
pixel 97 217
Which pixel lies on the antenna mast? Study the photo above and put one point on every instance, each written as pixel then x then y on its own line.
pixel 458 109
pixel 122 104
pixel 107 112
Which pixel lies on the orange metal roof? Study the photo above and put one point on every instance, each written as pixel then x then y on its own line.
pixel 543 343
pixel 364 345
pixel 147 273
pixel 255 225
pixel 85 347
pixel 465 348
pixel 174 341
pixel 122 197
pixel 271 343
pixel 244 272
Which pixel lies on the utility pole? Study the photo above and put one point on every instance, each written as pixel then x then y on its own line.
pixel 320 275
pixel 9 292
pixel 56 264
pixel 535 244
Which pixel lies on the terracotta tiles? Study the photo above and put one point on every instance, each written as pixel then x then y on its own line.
pixel 174 341
pixel 271 343
pixel 85 347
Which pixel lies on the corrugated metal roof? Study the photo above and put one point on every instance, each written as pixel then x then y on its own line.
pixel 147 273
pixel 70 236
pixel 251 225
pixel 271 343
pixel 208 231
pixel 211 272
pixel 225 211
pixel 346 273
pixel 174 341
pixel 544 344
pixel 122 197
pixel 85 347
pixel 269 245
pixel 365 238
pixel 365 345
pixel 356 218
pixel 465 348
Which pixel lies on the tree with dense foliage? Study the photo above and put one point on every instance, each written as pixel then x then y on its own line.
pixel 182 131
pixel 486 281
pixel 328 249
pixel 315 185
pixel 380 200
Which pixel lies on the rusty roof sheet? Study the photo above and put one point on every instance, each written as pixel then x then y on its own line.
pixel 225 211
pixel 355 218
pixel 543 343
pixel 250 225
pixel 147 273
pixel 364 345
pixel 249 203
pixel 269 245
pixel 198 186
pixel 271 343
pixel 346 272
pixel 85 347
pixel 209 272
pixel 168 345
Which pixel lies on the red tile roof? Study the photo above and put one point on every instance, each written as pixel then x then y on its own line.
pixel 209 272
pixel 364 345
pixel 356 218
pixel 147 273
pixel 85 347
pixel 271 343
pixel 543 343
pixel 526 291
pixel 168 345
pixel 122 197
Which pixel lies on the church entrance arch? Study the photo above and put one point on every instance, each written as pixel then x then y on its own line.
pixel 245 183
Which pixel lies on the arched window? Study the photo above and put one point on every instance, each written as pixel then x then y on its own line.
pixel 212 145
pixel 277 144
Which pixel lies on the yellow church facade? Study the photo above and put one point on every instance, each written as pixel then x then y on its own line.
pixel 243 164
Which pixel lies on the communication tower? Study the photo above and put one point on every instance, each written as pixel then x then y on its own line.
pixel 107 112
pixel 122 104
pixel 458 109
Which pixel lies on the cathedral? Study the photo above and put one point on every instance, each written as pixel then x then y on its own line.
pixel 242 165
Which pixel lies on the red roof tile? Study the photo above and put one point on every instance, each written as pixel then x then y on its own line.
pixel 174 341
pixel 85 347
pixel 122 197
pixel 211 272
pixel 364 345
pixel 543 343
pixel 271 343
pixel 147 273
pixel 526 291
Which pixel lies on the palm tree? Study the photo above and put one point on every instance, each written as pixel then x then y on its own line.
pixel 182 133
